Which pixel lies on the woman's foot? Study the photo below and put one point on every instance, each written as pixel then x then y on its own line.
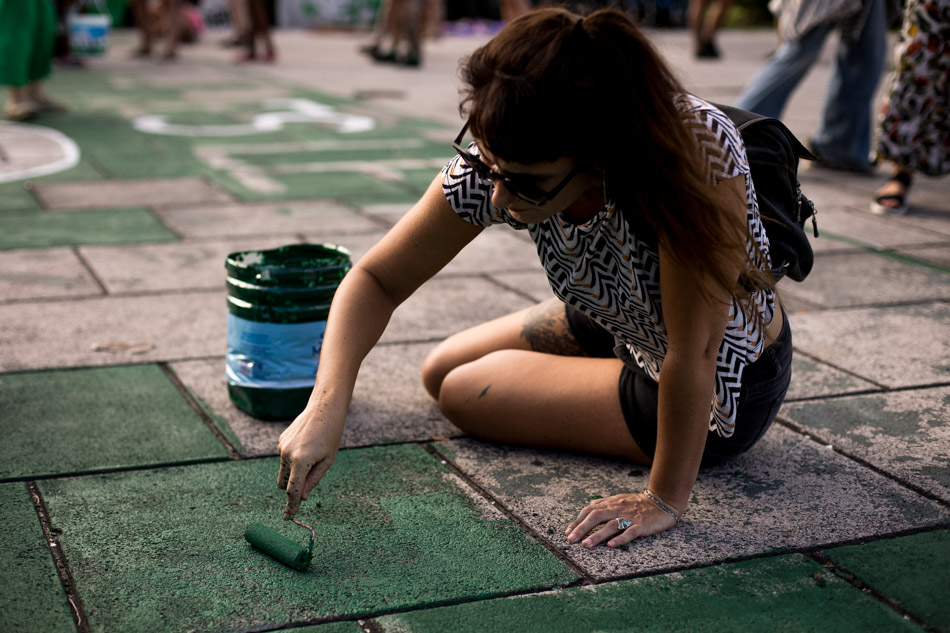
pixel 707 50
pixel 892 196
pixel 45 105
pixel 20 110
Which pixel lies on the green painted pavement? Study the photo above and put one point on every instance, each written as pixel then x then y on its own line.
pixel 14 196
pixel 911 570
pixel 32 229
pixel 163 549
pixel 251 166
pixel 73 421
pixel 31 597
pixel 334 627
pixel 788 593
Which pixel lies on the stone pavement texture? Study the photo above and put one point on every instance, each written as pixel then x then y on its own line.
pixel 127 476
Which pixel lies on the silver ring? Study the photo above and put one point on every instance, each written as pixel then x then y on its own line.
pixel 623 524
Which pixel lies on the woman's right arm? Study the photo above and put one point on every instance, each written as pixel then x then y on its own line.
pixel 424 241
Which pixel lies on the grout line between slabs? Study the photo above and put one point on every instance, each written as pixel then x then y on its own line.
pixel 233 452
pixel 59 559
pixel 497 503
pixel 853 580
pixel 815 437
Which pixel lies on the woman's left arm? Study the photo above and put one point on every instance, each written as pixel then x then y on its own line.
pixel 695 328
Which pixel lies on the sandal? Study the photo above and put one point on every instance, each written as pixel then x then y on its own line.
pixel 893 203
pixel 21 111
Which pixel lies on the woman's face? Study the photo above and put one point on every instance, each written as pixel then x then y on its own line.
pixel 580 199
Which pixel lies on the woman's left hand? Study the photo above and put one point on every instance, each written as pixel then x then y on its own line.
pixel 646 517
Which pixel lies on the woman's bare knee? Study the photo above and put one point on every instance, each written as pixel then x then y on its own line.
pixel 437 364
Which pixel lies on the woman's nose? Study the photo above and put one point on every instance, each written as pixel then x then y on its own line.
pixel 500 196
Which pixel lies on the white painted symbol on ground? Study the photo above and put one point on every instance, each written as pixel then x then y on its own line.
pixel 30 151
pixel 283 111
pixel 232 159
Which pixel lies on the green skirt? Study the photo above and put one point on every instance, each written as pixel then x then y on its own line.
pixel 27 28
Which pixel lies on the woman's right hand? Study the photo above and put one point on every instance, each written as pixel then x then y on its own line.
pixel 307 450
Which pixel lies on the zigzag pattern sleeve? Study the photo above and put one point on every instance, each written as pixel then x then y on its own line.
pixel 470 196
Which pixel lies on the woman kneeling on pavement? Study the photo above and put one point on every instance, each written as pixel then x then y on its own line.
pixel 666 344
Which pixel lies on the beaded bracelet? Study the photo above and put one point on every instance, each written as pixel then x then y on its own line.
pixel 662 505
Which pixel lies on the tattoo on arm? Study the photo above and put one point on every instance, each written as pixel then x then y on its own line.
pixel 545 329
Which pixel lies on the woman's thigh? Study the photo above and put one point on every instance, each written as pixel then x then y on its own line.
pixel 541 400
pixel 524 379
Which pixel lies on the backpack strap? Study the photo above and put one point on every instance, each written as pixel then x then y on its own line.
pixel 745 118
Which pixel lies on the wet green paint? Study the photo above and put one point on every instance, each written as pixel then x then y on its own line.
pixel 165 550
pixel 32 599
pixel 913 570
pixel 787 593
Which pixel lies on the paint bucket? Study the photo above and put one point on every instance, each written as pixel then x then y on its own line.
pixel 88 33
pixel 278 302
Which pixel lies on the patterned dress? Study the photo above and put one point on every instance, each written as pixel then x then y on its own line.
pixel 915 119
pixel 607 272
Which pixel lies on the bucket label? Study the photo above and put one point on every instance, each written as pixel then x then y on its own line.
pixel 273 355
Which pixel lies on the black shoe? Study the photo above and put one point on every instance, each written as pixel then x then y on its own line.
pixel 831 164
pixel 708 51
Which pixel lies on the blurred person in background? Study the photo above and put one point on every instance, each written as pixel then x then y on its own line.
pixel 705 18
pixel 914 130
pixel 27 30
pixel 154 20
pixel 843 139
pixel 260 32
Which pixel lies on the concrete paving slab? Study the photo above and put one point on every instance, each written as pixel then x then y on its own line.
pixel 911 570
pixel 317 216
pixel 935 217
pixel 787 492
pixel 842 229
pixel 187 265
pixel 936 255
pixel 496 250
pixel 126 193
pixel 811 379
pixel 32 599
pixel 112 330
pixel 899 346
pixel 389 402
pixel 29 229
pixel 163 549
pixel 65 422
pixel 884 279
pixel 44 274
pixel 903 433
pixel 443 306
pixel 787 593
pixel 533 284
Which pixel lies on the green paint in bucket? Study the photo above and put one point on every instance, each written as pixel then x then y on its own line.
pixel 278 302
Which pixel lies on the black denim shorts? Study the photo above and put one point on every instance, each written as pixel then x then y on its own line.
pixel 764 384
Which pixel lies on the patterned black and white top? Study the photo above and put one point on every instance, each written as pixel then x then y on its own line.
pixel 603 269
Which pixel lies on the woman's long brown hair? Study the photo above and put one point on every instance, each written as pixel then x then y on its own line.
pixel 552 84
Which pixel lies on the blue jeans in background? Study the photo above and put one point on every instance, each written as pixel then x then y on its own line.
pixel 843 139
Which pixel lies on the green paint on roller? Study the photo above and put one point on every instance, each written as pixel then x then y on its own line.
pixel 279 547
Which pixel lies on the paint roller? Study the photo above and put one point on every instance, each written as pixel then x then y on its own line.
pixel 279 547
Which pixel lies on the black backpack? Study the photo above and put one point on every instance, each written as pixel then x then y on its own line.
pixel 773 153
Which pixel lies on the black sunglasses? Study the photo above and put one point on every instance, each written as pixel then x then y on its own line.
pixel 516 185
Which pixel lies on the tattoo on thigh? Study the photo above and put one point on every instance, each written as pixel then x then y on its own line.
pixel 545 329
